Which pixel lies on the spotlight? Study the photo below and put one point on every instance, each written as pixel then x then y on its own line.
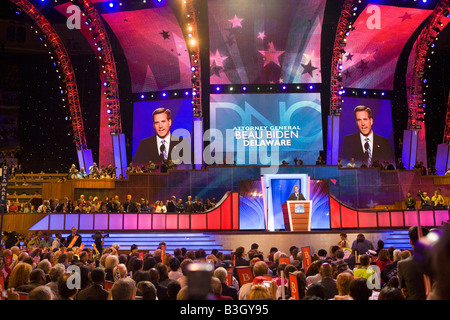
pixel 311 87
pixel 142 96
pixel 244 88
pixel 217 88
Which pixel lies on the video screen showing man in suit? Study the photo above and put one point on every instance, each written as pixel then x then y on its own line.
pixel 160 146
pixel 365 144
pixel 296 195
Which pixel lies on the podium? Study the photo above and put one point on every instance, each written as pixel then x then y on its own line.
pixel 297 215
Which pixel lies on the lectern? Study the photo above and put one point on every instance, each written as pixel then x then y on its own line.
pixel 297 215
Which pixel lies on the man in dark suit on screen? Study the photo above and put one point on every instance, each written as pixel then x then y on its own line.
pixel 160 146
pixel 296 195
pixel 365 144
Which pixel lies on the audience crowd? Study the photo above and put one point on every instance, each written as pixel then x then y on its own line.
pixel 41 269
pixel 93 204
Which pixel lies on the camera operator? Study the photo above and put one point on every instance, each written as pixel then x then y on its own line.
pixel 426 201
pixel 10 239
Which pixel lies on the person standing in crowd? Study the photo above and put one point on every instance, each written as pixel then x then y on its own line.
pixel 411 270
pixel 410 202
pixel 362 244
pixel 72 236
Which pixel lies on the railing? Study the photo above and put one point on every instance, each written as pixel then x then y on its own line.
pixel 225 216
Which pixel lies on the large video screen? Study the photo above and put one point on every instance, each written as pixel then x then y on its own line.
pixel 373 47
pixel 265 41
pixel 266 129
pixel 145 132
pixel 155 48
pixel 356 127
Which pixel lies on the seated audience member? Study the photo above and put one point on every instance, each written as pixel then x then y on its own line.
pixel 123 289
pixel 175 271
pixel 260 268
pixel 301 285
pixel 259 291
pixel 41 293
pixel 359 289
pixel 315 291
pixel 161 291
pixel 327 281
pixel 216 287
pixel 239 255
pixel 37 278
pixel 111 261
pixel 66 292
pixel 55 273
pixel 343 282
pixel 363 271
pixel 146 290
pixel 172 290
pixel 221 274
pixel 390 293
pixel 20 275
pixel 96 290
pixel 383 259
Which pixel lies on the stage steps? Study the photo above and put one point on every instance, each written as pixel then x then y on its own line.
pixel 148 242
pixel 399 239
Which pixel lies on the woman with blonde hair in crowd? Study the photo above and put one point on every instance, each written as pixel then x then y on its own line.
pixel 20 275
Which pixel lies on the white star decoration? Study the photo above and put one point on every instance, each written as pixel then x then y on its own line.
pixel 236 22
pixel 217 58
pixel 271 55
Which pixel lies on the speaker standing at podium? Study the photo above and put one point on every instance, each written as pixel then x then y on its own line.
pixel 296 195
